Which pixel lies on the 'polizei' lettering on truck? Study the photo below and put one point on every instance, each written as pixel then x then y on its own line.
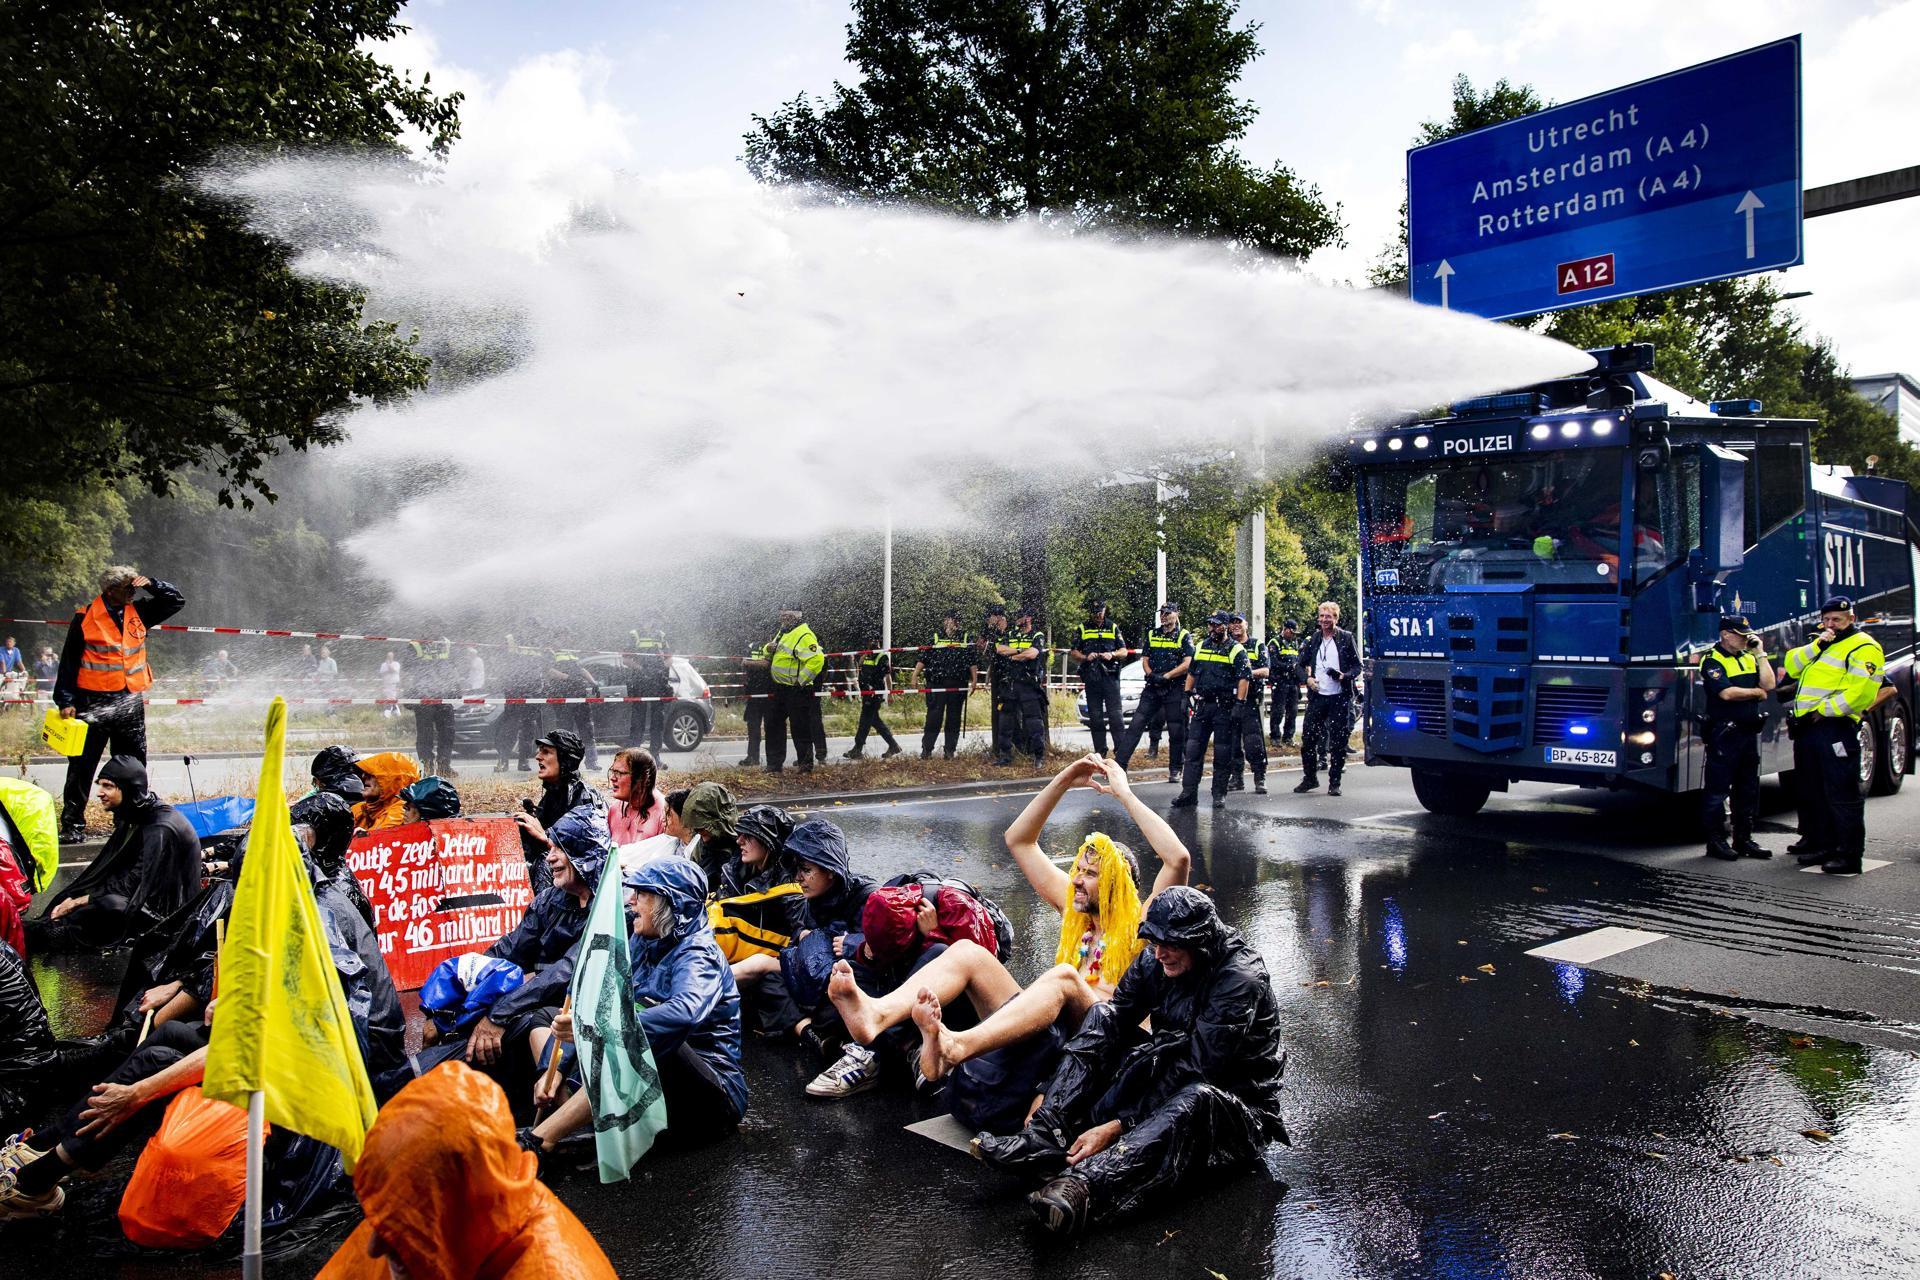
pixel 1478 444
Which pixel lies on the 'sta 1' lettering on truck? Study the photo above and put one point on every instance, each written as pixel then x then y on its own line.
pixel 1542 571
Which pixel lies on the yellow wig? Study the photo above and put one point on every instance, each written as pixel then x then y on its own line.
pixel 1119 902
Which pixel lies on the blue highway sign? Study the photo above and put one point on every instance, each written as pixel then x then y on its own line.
pixel 1687 177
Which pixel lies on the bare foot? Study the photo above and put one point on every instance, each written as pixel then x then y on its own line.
pixel 926 1016
pixel 855 1006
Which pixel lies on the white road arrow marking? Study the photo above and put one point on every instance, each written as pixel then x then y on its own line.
pixel 1748 203
pixel 1444 271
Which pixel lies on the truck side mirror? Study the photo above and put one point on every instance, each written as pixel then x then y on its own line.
pixel 1723 478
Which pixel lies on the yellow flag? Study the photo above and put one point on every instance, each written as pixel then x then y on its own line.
pixel 281 1025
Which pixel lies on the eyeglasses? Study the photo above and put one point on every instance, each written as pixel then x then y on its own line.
pixel 619 773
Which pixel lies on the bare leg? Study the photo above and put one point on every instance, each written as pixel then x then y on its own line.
pixel 964 968
pixel 574 1113
pixel 1060 989
pixel 757 966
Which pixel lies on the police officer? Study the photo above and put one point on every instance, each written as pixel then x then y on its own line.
pixel 519 723
pixel 875 681
pixel 1283 672
pixel 651 663
pixel 568 677
pixel 1218 681
pixel 1101 651
pixel 1020 699
pixel 796 662
pixel 1735 679
pixel 946 668
pixel 1839 681
pixel 1163 700
pixel 1249 747
pixel 758 693
pixel 432 676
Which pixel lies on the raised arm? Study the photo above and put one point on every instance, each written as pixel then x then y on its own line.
pixel 1175 862
pixel 1023 836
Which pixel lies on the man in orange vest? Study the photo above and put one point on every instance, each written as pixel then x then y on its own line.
pixel 103 671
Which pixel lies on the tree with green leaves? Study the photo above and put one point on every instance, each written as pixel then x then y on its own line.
pixel 144 328
pixel 1117 114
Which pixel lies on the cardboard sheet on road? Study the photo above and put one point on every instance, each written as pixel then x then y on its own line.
pixel 946 1131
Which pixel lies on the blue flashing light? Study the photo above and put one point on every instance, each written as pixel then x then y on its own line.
pixel 1403 717
pixel 1578 728
pixel 1734 408
pixel 1571 979
pixel 1512 402
pixel 1393 937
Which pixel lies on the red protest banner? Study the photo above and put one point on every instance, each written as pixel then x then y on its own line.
pixel 439 889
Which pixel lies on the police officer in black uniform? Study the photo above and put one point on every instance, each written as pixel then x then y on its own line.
pixel 1249 746
pixel 875 681
pixel 1735 680
pixel 758 691
pixel 1218 681
pixel 947 669
pixel 1283 672
pixel 1101 651
pixel 652 664
pixel 1163 700
pixel 1020 699
pixel 519 724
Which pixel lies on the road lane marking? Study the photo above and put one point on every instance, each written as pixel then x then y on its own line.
pixel 1866 865
pixel 1586 948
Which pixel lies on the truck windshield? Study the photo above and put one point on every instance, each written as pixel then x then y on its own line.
pixel 1552 519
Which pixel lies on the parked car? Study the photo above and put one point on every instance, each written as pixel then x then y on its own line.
pixel 689 721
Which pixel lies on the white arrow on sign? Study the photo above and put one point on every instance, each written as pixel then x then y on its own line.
pixel 1444 271
pixel 1748 203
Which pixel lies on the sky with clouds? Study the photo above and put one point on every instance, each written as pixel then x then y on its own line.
pixel 653 85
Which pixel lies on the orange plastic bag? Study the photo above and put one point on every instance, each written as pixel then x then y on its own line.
pixel 192 1178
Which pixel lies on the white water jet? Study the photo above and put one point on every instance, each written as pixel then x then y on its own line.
pixel 696 358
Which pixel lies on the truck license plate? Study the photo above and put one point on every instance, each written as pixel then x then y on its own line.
pixel 1580 755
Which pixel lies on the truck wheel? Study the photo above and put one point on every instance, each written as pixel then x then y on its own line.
pixel 1890 763
pixel 1449 794
pixel 1870 754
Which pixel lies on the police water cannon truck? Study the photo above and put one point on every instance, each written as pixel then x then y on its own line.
pixel 1541 572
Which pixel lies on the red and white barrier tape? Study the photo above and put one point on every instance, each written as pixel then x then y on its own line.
pixel 502 702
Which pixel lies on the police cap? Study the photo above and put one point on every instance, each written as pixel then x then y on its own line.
pixel 1022 611
pixel 1169 607
pixel 1735 622
pixel 1236 616
pixel 1837 604
pixel 1289 624
pixel 1220 616
pixel 997 611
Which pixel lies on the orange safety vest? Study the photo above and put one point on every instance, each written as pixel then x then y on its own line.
pixel 113 659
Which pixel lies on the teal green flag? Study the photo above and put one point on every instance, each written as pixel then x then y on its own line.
pixel 616 1063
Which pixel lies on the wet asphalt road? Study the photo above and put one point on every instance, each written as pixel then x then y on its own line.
pixel 1458 1107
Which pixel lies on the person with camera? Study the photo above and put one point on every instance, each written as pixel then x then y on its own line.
pixel 1735 679
pixel 1838 676
pixel 1330 663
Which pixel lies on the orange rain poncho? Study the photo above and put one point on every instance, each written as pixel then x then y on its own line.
pixel 388 774
pixel 451 1194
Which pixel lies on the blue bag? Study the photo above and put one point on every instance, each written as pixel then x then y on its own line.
pixel 461 988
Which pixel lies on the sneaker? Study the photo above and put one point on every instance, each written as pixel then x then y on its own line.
pixel 1307 784
pixel 1061 1205
pixel 16 1153
pixel 857 1071
pixel 16 1205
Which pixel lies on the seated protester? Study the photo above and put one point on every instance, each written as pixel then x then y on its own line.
pixel 907 924
pixel 688 1006
pixel 705 820
pixel 149 866
pixel 384 775
pixel 1013 1049
pixel 636 808
pixel 16 892
pixel 336 769
pixel 448 1193
pixel 556 764
pixel 754 906
pixel 431 798
pixel 542 944
pixel 120 1110
pixel 1129 1115
pixel 332 824
pixel 29 1055
pixel 29 853
pixel 793 983
pixel 760 859
pixel 170 973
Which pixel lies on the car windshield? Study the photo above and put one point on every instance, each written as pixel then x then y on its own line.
pixel 1551 519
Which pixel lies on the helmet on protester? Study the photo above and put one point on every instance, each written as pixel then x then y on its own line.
pixel 433 798
pixel 565 744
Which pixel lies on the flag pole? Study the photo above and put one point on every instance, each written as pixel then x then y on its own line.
pixel 256 1176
